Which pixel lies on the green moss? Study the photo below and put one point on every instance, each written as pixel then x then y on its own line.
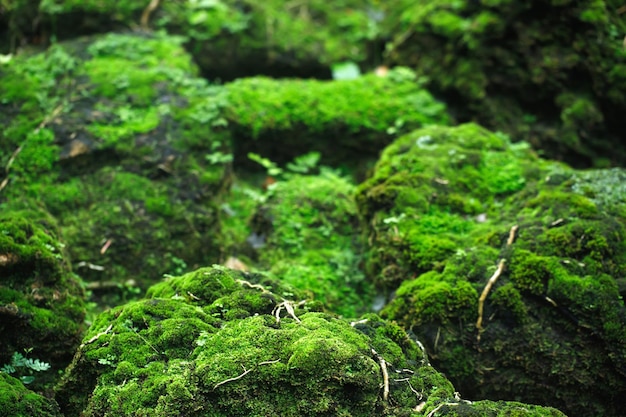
pixel 116 144
pixel 41 301
pixel 485 70
pixel 560 235
pixel 312 243
pixel 18 401
pixel 364 113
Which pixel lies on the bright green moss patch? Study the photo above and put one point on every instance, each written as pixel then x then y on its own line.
pixel 340 119
pixel 309 228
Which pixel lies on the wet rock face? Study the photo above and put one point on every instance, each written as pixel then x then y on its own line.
pixel 506 266
pixel 116 137
pixel 41 301
pixel 223 342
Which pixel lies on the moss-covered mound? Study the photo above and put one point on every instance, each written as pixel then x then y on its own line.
pixel 41 301
pixel 344 120
pixel 216 342
pixel 18 401
pixel 452 209
pixel 552 73
pixel 229 38
pixel 116 138
pixel 307 234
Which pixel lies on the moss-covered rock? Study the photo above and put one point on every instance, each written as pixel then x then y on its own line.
pixel 550 73
pixel 18 401
pixel 452 208
pixel 307 234
pixel 117 138
pixel 41 300
pixel 229 38
pixel 183 352
pixel 344 120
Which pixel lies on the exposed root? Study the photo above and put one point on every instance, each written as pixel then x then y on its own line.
pixel 289 307
pixel 383 367
pixel 245 372
pixel 483 297
pixel 251 285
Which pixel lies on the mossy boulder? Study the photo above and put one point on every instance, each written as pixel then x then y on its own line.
pixel 229 38
pixel 117 138
pixel 549 73
pixel 344 120
pixel 18 401
pixel 453 208
pixel 41 301
pixel 183 352
pixel 307 234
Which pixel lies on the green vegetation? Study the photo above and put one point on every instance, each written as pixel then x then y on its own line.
pixel 445 206
pixel 116 137
pixel 20 364
pixel 220 342
pixel 343 120
pixel 41 300
pixel 18 401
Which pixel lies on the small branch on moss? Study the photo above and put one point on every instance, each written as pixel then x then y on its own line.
pixel 356 323
pixel 550 300
pixel 483 296
pixel 419 395
pixel 383 367
pixel 245 372
pixel 8 167
pixel 96 337
pixel 512 232
pixel 491 282
pixel 145 16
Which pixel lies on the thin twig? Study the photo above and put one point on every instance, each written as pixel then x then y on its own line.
pixel 483 296
pixel 96 337
pixel 383 367
pixel 245 372
pixel 511 238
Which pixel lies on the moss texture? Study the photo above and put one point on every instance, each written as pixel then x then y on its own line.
pixel 18 401
pixel 496 62
pixel 184 352
pixel 117 138
pixel 308 232
pixel 442 204
pixel 229 38
pixel 344 120
pixel 41 300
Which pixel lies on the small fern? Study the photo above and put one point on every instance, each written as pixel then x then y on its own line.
pixel 20 364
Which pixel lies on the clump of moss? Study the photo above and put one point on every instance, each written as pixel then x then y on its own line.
pixel 41 301
pixel 552 317
pixel 118 138
pixel 498 63
pixel 310 239
pixel 18 401
pixel 230 39
pixel 343 120
pixel 182 353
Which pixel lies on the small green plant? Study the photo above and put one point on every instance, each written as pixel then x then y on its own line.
pixel 23 367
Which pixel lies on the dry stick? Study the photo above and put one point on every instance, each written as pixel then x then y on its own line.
pixel 245 372
pixel 483 297
pixel 383 367
pixel 492 280
pixel 145 16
